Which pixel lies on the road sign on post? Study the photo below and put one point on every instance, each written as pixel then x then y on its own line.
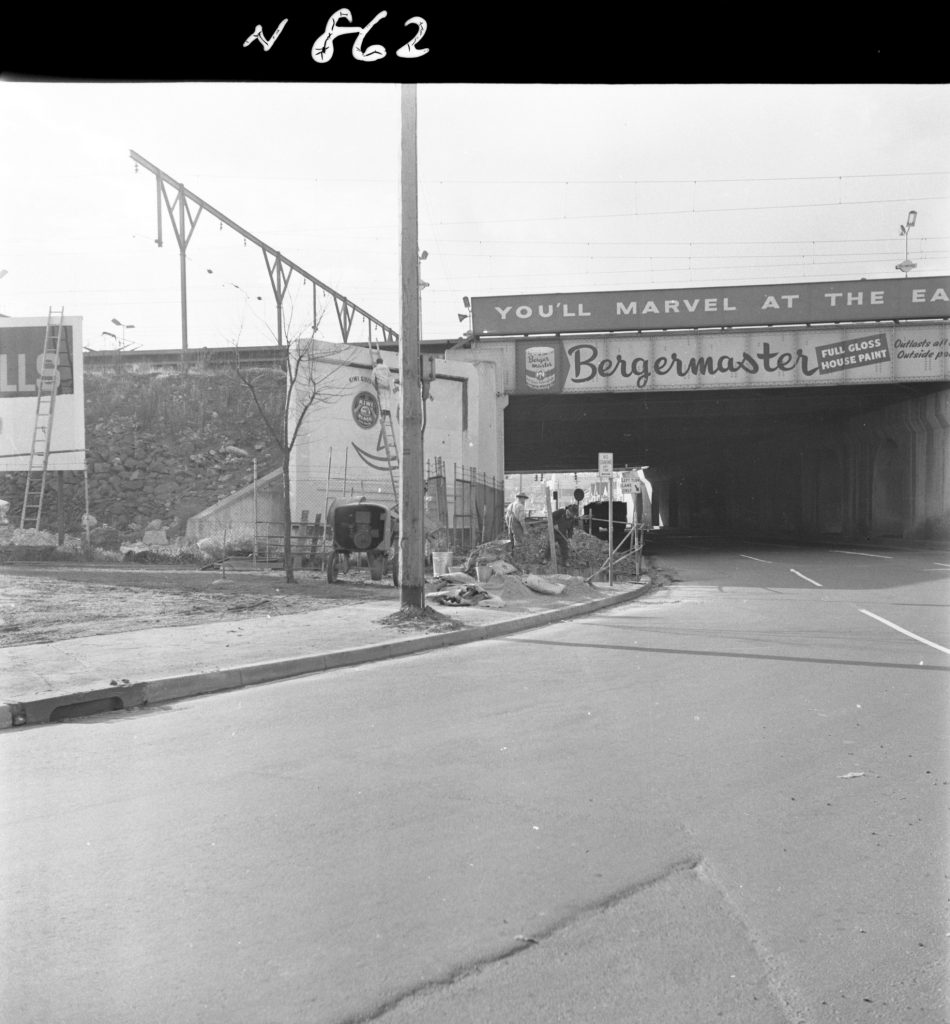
pixel 605 464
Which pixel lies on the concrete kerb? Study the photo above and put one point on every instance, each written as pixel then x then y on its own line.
pixel 165 690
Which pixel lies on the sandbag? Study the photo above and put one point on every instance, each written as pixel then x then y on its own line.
pixel 542 585
pixel 502 568
pixel 453 577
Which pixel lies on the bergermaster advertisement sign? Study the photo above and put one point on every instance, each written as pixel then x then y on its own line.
pixel 872 354
pixel 21 355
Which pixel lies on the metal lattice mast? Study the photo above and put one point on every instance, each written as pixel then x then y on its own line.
pixel 279 268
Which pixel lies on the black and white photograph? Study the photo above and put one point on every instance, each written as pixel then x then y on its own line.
pixel 474 537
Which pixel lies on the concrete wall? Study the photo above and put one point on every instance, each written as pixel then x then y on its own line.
pixel 340 454
pixel 251 513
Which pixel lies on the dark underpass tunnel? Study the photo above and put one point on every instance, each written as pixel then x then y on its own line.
pixel 803 463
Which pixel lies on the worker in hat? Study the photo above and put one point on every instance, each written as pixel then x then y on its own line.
pixel 514 520
pixel 565 520
pixel 384 385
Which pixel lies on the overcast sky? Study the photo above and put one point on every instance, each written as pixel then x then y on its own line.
pixel 522 189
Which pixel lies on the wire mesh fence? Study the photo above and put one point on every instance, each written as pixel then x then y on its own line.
pixel 463 508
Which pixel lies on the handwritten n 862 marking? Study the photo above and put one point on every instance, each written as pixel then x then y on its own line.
pixel 322 49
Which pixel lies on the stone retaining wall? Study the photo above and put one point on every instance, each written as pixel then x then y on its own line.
pixel 159 446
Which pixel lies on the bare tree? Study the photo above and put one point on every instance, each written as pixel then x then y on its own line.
pixel 305 381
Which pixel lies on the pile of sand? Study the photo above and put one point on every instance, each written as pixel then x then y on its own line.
pixel 586 554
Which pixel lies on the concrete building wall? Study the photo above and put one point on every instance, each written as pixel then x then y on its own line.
pixel 250 514
pixel 342 455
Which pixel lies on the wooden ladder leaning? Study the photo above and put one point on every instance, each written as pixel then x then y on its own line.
pixel 387 431
pixel 46 386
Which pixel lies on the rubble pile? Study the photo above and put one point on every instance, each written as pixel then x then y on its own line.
pixel 586 554
pixel 493 576
pixel 34 545
pixel 43 545
pixel 11 536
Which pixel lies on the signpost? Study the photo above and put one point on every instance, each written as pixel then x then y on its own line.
pixel 551 539
pixel 605 464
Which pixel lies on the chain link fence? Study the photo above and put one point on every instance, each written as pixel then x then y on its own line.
pixel 463 508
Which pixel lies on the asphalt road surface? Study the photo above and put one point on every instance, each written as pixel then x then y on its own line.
pixel 725 801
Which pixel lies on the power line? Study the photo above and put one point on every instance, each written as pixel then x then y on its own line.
pixel 657 241
pixel 680 267
pixel 577 181
pixel 694 210
pixel 823 256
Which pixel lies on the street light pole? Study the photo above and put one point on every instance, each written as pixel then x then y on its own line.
pixel 908 264
pixel 119 323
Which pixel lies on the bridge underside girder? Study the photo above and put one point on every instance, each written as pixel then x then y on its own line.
pixel 856 462
pixel 677 429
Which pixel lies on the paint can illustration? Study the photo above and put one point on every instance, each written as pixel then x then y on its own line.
pixel 540 367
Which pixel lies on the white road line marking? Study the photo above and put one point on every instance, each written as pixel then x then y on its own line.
pixel 944 564
pixel 863 554
pixel 804 577
pixel 906 632
pixel 767 562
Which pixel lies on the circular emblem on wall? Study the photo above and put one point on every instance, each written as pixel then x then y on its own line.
pixel 366 410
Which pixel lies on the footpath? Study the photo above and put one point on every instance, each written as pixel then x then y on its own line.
pixel 49 682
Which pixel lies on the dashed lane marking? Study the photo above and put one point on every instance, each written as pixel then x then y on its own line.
pixel 906 632
pixel 814 583
pixel 863 554
pixel 754 559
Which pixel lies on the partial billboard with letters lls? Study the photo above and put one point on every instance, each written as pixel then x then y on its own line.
pixel 21 353
pixel 738 359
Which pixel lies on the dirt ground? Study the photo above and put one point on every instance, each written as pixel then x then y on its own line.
pixel 44 602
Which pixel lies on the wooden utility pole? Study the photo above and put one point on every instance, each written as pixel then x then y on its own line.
pixel 411 483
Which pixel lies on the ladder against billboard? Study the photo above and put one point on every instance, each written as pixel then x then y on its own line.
pixel 22 341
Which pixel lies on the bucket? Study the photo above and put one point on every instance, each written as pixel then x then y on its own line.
pixel 440 562
pixel 483 572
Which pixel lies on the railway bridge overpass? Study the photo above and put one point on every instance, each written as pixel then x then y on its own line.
pixel 812 411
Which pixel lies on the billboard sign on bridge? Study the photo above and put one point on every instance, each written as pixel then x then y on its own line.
pixel 727 306
pixel 874 354
pixel 21 353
